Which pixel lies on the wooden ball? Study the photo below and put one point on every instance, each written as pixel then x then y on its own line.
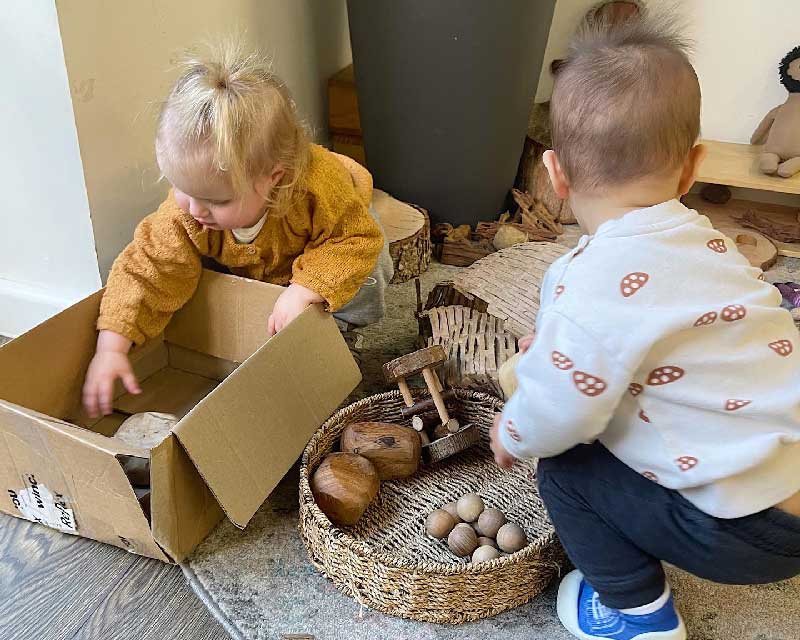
pixel 462 540
pixel 450 507
pixel 469 507
pixel 511 538
pixel 484 554
pixel 394 450
pixel 343 485
pixel 483 541
pixel 489 522
pixel 439 524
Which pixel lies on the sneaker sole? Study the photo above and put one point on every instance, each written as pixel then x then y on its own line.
pixel 567 608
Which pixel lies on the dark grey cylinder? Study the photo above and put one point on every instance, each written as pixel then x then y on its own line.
pixel 445 88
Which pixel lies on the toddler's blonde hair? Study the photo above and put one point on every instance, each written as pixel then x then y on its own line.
pixel 228 113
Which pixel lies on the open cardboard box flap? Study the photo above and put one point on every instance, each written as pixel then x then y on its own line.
pixel 246 434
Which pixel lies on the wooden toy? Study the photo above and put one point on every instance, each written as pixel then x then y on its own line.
pixel 511 538
pixel 452 509
pixel 446 437
pixel 392 449
pixel 422 361
pixel 490 521
pixel 439 523
pixel 469 507
pixel 462 540
pixel 343 486
pixel 484 554
pixel 484 541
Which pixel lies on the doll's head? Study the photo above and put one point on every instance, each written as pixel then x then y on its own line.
pixel 790 71
pixel 229 139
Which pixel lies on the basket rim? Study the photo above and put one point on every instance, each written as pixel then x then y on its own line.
pixel 531 553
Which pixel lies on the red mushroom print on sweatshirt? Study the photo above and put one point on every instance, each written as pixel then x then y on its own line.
pixel 733 312
pixel 650 475
pixel 635 388
pixel 643 416
pixel 512 431
pixel 782 347
pixel 706 319
pixel 588 384
pixel 717 245
pixel 560 361
pixel 632 283
pixel 664 375
pixel 686 462
pixel 734 404
pixel 559 290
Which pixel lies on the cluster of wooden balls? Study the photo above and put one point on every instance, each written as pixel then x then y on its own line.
pixel 472 529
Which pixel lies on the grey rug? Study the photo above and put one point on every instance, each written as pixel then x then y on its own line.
pixel 261 586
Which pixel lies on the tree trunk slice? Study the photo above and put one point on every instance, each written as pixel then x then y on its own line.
pixel 407 228
pixel 476 343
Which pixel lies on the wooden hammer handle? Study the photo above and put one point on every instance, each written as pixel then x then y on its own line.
pixel 433 386
pixel 427 404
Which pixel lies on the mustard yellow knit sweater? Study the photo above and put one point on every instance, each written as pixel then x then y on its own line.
pixel 327 242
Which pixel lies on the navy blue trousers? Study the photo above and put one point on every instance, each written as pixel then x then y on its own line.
pixel 617 527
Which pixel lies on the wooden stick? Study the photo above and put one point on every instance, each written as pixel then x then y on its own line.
pixel 426 405
pixel 433 386
pixel 407 397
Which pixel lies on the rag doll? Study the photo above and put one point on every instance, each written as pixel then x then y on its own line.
pixel 779 131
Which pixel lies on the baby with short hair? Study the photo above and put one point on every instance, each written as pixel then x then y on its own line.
pixel 662 390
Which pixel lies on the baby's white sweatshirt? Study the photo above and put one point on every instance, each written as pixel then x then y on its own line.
pixel 656 337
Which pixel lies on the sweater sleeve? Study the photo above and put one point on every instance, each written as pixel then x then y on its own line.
pixel 569 388
pixel 342 250
pixel 154 276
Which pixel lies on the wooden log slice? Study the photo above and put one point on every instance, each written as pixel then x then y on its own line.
pixel 407 229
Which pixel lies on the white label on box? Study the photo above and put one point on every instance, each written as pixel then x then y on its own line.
pixel 37 503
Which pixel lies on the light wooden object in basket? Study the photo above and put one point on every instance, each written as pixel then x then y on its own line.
pixel 408 232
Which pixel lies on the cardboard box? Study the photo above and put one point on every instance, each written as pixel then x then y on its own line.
pixel 248 405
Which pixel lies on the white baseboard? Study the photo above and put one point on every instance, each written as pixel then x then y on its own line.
pixel 23 306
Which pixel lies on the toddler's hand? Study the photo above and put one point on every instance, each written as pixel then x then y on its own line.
pixel 502 457
pixel 526 342
pixel 289 305
pixel 108 364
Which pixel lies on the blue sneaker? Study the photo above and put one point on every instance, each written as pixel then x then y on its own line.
pixel 585 617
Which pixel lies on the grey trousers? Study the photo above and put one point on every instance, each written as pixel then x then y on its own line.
pixel 369 304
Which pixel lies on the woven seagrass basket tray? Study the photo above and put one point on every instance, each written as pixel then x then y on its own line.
pixel 387 561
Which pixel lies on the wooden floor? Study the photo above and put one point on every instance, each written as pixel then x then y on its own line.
pixel 55 586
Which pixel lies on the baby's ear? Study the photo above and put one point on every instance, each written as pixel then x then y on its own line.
pixel 691 168
pixel 264 185
pixel 557 177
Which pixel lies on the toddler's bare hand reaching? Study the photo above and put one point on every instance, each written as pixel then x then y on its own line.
pixel 289 305
pixel 526 342
pixel 502 457
pixel 110 363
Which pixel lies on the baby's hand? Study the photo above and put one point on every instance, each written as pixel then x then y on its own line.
pixel 109 363
pixel 502 457
pixel 289 305
pixel 526 342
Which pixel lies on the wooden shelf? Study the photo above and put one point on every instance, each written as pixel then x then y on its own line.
pixel 736 165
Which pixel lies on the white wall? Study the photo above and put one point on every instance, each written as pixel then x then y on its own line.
pixel 738 45
pixel 47 255
pixel 119 57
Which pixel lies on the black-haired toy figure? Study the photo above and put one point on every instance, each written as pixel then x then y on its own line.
pixel 779 131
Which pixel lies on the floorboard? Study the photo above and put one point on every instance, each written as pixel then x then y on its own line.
pixel 55 586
